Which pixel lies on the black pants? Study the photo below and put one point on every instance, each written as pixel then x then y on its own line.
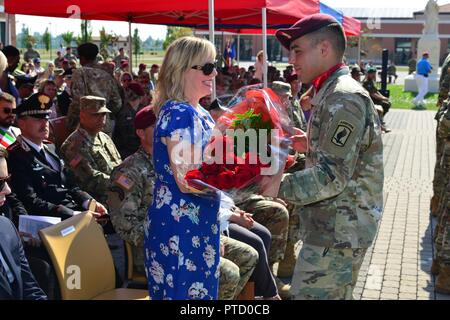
pixel 259 238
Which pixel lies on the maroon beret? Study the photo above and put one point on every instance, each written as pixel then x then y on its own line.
pixel 304 26
pixel 136 88
pixel 144 118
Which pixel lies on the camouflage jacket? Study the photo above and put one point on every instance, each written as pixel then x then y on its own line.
pixel 296 115
pixel 342 184
pixel 93 80
pixel 91 159
pixel 129 197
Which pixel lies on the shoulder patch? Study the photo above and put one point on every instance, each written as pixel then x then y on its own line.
pixel 75 161
pixel 124 182
pixel 342 133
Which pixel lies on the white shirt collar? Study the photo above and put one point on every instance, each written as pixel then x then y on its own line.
pixel 36 147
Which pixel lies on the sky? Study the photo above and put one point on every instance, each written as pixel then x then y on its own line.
pixel 58 25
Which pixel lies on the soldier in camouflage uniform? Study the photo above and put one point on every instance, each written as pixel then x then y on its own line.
pixel 92 79
pixel 341 188
pixel 438 181
pixel 236 267
pixel 131 189
pixel 90 153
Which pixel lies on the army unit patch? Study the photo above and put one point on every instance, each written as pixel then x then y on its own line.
pixel 124 182
pixel 342 133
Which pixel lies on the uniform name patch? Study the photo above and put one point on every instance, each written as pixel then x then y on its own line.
pixel 342 133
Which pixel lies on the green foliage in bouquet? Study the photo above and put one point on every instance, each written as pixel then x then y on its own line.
pixel 246 121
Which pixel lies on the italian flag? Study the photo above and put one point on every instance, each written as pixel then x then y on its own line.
pixel 6 139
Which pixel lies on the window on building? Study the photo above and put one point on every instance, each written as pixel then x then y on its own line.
pixel 403 50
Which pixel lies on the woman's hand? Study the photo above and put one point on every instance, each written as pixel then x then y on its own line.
pixel 300 142
pixel 242 218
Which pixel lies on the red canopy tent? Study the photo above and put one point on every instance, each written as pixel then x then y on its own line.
pixel 225 13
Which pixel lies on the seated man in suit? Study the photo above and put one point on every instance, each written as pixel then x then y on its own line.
pixel 38 176
pixel 16 280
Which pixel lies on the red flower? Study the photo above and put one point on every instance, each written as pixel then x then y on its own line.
pixel 211 169
pixel 227 180
pixel 195 174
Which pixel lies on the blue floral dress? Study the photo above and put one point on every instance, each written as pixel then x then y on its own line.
pixel 182 237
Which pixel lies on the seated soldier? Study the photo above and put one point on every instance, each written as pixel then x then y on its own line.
pixel 8 132
pixel 38 176
pixel 378 99
pixel 131 192
pixel 90 153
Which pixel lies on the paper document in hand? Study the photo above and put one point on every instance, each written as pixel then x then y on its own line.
pixel 32 224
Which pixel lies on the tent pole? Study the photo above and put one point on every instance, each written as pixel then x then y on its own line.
pixel 238 47
pixel 211 38
pixel 359 49
pixel 130 43
pixel 264 25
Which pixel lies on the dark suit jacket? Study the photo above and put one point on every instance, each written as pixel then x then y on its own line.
pixel 24 286
pixel 41 188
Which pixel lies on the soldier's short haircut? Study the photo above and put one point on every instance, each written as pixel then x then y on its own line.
pixel 10 51
pixel 7 97
pixel 88 51
pixel 332 33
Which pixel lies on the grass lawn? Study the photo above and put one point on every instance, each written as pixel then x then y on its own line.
pixel 403 100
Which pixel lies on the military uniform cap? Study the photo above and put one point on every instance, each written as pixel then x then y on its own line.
pixel 371 70
pixel 304 26
pixel 94 102
pixel 281 87
pixel 36 106
pixel 144 118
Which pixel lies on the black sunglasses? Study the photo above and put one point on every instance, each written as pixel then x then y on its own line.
pixel 7 110
pixel 207 68
pixel 3 182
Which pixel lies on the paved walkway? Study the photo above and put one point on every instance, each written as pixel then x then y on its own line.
pixel 398 265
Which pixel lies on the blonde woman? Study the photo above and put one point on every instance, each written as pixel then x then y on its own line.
pixel 182 247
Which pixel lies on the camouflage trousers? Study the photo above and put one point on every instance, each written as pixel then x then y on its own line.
pixel 441 184
pixel 439 172
pixel 442 237
pixel 326 273
pixel 236 267
pixel 275 217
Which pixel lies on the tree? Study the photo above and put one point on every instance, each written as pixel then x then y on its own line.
pixel 86 32
pixel 47 40
pixel 27 38
pixel 174 33
pixel 67 37
pixel 106 40
pixel 137 43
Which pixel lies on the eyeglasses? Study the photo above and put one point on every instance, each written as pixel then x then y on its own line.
pixel 7 110
pixel 3 182
pixel 207 68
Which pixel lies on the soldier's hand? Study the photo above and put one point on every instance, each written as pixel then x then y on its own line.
pixel 28 238
pixel 99 208
pixel 300 143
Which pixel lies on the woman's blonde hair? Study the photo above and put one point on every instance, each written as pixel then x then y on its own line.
pixel 182 54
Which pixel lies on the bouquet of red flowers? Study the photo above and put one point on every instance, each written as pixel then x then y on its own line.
pixel 248 144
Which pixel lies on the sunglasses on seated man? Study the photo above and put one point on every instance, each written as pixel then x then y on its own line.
pixel 7 110
pixel 207 68
pixel 3 182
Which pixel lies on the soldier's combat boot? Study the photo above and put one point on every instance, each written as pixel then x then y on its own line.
pixel 283 289
pixel 435 266
pixel 287 265
pixel 443 280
